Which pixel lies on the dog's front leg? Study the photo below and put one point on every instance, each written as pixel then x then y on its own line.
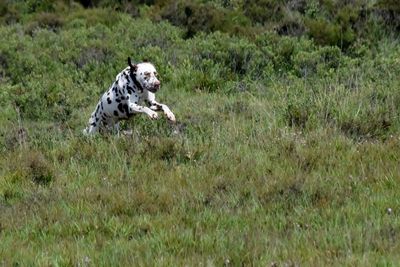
pixel 134 108
pixel 158 106
pixel 154 105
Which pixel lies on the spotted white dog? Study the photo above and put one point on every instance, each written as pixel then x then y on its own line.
pixel 133 86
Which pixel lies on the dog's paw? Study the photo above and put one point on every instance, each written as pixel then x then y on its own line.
pixel 171 116
pixel 153 115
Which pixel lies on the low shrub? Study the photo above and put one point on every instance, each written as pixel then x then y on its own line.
pixel 320 61
pixel 263 11
pixel 200 17
pixel 389 13
pixel 32 166
pixel 106 16
pixel 230 56
pixel 40 170
pixel 33 6
pixel 45 20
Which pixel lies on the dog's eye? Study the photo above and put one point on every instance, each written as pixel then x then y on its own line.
pixel 156 74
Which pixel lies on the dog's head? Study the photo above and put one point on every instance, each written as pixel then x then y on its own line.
pixel 146 75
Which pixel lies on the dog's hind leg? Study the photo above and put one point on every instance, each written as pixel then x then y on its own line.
pixel 94 121
pixel 116 128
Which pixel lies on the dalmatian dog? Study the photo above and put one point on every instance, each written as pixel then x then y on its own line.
pixel 135 85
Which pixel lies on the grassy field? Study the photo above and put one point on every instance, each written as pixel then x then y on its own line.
pixel 285 153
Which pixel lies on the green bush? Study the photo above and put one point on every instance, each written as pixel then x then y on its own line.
pixel 340 23
pixel 200 17
pixel 263 11
pixel 321 61
pixel 106 16
pixel 34 6
pixel 234 57
pixel 48 21
pixel 389 13
pixel 9 13
pixel 327 33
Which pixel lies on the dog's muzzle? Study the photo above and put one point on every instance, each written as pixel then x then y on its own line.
pixel 155 87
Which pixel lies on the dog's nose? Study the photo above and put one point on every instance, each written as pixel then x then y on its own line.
pixel 157 84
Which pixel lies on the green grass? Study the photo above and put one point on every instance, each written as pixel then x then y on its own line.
pixel 265 164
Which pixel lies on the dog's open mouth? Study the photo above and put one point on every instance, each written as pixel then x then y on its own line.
pixel 153 89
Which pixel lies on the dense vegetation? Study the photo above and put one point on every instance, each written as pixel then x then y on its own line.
pixel 286 149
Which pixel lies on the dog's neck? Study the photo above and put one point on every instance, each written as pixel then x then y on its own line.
pixel 135 81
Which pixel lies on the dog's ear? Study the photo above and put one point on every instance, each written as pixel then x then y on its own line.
pixel 133 67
